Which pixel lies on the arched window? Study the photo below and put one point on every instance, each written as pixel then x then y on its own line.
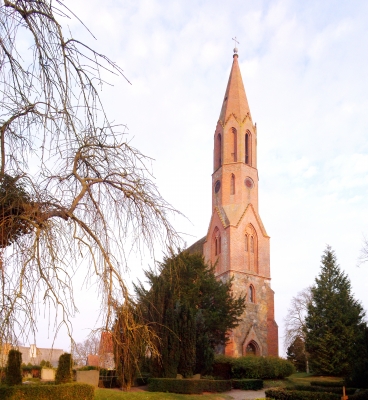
pixel 248 148
pixel 252 349
pixel 217 155
pixel 251 294
pixel 232 184
pixel 217 241
pixel 235 144
pixel 251 249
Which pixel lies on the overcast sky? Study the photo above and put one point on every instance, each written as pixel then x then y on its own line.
pixel 304 66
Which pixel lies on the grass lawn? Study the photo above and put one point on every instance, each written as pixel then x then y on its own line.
pixel 109 394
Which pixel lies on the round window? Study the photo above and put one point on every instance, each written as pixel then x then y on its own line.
pixel 249 183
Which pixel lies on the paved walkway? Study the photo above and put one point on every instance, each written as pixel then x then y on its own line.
pixel 238 394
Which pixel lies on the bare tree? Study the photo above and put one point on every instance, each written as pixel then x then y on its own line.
pixel 363 258
pixel 295 318
pixel 82 350
pixel 73 191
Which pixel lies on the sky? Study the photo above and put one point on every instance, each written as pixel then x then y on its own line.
pixel 304 67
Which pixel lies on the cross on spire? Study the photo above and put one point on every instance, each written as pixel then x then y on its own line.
pixel 235 42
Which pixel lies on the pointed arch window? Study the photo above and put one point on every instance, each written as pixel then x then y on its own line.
pixel 217 241
pixel 235 144
pixel 252 349
pixel 251 294
pixel 251 249
pixel 217 155
pixel 232 184
pixel 248 148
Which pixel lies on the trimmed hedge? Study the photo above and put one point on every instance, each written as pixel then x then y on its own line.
pixel 80 391
pixel 247 384
pixel 329 389
pixel 328 383
pixel 282 394
pixel 187 386
pixel 361 395
pixel 252 367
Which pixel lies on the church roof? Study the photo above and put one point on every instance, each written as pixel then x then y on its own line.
pixel 235 100
pixel 197 247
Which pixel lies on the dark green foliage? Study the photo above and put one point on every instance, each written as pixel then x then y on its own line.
pixel 64 370
pixel 328 383
pixel 13 372
pixel 184 282
pixel 360 395
pixel 45 364
pixel 188 386
pixel 283 394
pixel 296 354
pixel 222 367
pixel 359 373
pixel 252 367
pixel 334 321
pixel 187 344
pixel 247 384
pixel 14 200
pixel 262 368
pixel 88 368
pixel 328 389
pixel 80 391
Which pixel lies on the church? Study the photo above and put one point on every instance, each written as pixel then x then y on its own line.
pixel 236 240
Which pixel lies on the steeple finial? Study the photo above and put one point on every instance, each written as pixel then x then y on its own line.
pixel 235 43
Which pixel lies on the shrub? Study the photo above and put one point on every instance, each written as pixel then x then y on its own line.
pixel 45 364
pixel 282 394
pixel 329 389
pixel 328 383
pixel 64 370
pixel 187 386
pixel 13 372
pixel 88 368
pixel 261 368
pixel 247 384
pixel 80 391
pixel 360 395
pixel 222 367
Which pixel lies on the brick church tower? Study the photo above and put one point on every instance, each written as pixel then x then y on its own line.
pixel 236 238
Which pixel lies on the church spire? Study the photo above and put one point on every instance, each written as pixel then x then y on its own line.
pixel 235 100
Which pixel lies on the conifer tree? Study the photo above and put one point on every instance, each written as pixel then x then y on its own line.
pixel 191 312
pixel 64 370
pixel 334 321
pixel 296 354
pixel 13 372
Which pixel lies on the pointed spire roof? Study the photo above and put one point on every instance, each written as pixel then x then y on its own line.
pixel 235 100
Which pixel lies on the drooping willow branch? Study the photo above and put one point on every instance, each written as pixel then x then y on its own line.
pixel 73 191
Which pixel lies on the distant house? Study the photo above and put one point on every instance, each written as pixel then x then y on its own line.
pixel 32 354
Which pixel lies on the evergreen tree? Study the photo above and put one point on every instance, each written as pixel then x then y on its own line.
pixel 13 372
pixel 296 354
pixel 334 320
pixel 185 284
pixel 64 369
